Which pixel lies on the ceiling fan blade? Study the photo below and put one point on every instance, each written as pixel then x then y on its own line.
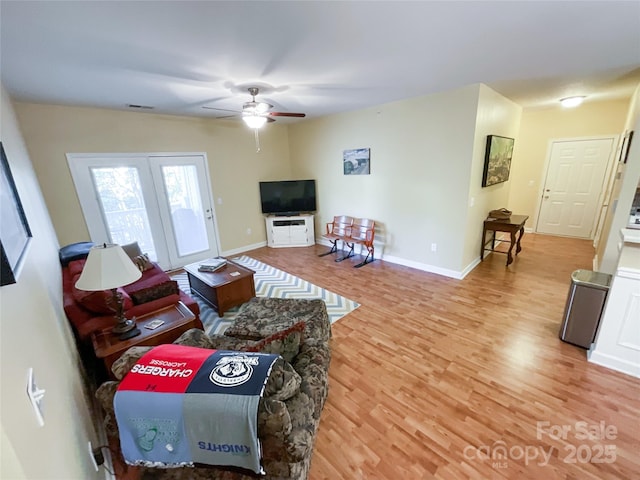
pixel 286 114
pixel 221 109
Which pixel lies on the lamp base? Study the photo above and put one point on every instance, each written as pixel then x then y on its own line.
pixel 125 329
pixel 130 334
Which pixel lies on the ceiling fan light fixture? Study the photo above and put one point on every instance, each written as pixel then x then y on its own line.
pixel 262 107
pixel 571 102
pixel 254 121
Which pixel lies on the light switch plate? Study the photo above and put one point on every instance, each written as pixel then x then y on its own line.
pixel 35 397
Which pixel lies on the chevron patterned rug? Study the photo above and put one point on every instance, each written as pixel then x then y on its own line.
pixel 270 282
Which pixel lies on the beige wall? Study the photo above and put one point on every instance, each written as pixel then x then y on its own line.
pixel 35 333
pixel 427 156
pixel 421 152
pixel 52 131
pixel 538 128
pixel 496 115
pixel 426 165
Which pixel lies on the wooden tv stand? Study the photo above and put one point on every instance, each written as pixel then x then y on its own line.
pixel 294 231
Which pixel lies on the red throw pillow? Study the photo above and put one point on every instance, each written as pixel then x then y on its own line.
pixel 75 267
pixel 98 302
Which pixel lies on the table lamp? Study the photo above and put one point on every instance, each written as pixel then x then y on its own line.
pixel 107 268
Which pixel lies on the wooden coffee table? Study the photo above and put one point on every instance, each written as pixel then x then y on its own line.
pixel 177 320
pixel 223 289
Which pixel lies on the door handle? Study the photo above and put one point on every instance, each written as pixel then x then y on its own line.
pixel 546 196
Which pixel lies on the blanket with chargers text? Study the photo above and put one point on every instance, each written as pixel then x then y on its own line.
pixel 184 405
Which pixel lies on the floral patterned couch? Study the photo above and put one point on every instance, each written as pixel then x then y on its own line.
pixel 289 412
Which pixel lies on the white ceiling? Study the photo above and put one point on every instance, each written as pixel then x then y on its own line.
pixel 313 57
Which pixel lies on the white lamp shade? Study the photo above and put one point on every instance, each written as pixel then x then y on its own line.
pixel 107 266
pixel 254 121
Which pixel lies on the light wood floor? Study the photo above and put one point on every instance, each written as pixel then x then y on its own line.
pixel 431 374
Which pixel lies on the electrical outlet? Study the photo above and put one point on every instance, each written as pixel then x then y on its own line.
pixel 92 457
pixel 248 231
pixel 434 247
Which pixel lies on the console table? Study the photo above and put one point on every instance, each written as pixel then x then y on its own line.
pixel 294 231
pixel 511 225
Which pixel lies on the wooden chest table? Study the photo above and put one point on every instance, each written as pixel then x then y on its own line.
pixel 177 320
pixel 223 289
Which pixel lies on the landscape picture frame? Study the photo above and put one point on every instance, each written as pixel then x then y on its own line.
pixel 15 234
pixel 356 161
pixel 497 160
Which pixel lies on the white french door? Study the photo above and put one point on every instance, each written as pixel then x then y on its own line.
pixel 161 201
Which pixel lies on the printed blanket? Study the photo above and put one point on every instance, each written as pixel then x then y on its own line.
pixel 184 405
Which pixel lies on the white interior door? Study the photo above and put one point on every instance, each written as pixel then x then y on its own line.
pixel 161 201
pixel 573 187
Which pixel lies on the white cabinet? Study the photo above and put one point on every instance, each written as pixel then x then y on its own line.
pixel 617 345
pixel 290 231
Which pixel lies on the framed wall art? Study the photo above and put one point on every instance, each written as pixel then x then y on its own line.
pixel 15 233
pixel 356 161
pixel 497 160
pixel 626 144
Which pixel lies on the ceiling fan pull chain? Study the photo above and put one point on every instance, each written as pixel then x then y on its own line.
pixel 257 135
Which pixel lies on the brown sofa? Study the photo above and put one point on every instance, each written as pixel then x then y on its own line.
pixel 88 311
pixel 289 412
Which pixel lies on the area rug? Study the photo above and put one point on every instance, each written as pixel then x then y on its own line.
pixel 273 283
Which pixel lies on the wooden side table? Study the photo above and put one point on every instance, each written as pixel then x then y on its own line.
pixel 511 225
pixel 177 320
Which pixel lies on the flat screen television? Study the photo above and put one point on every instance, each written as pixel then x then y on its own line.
pixel 288 197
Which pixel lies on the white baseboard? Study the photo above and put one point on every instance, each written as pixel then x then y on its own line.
pixel 614 363
pixel 246 248
pixel 417 265
pixel 424 267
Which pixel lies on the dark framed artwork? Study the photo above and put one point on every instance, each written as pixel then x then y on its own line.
pixel 497 160
pixel 356 161
pixel 626 144
pixel 15 233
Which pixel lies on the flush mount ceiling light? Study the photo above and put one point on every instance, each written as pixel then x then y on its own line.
pixel 570 102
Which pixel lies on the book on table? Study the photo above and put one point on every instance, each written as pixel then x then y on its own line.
pixel 212 264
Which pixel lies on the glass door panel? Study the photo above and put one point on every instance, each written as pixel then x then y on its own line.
pixel 123 207
pixel 187 212
pixel 185 207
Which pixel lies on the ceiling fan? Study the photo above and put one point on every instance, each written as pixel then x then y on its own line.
pixel 256 114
